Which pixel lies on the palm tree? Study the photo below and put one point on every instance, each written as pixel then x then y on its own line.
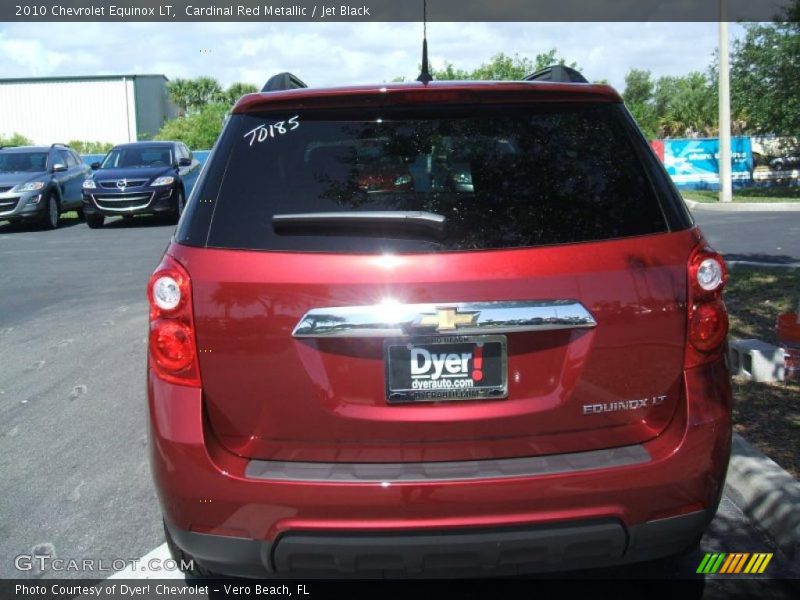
pixel 202 91
pixel 236 91
pixel 178 90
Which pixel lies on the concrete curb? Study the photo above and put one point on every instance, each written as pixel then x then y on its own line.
pixel 752 263
pixel 745 206
pixel 767 494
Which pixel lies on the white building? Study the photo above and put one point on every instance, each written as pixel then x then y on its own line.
pixel 103 108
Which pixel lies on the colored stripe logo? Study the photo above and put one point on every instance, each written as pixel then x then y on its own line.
pixel 734 563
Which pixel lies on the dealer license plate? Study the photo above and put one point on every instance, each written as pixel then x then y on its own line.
pixel 435 369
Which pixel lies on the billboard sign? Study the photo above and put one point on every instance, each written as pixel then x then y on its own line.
pixel 695 163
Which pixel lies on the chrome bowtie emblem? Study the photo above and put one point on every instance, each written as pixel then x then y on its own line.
pixel 447 319
pixel 122 184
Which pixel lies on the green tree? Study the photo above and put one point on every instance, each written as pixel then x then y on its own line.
pixel 765 80
pixel 502 67
pixel 694 107
pixel 639 96
pixel 235 91
pixel 198 130
pixel 15 139
pixel 505 68
pixel 178 91
pixel 639 87
pixel 685 105
pixel 190 95
pixel 202 91
pixel 84 147
pixel 448 73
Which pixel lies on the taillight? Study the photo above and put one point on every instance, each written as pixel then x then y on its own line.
pixel 707 316
pixel 172 344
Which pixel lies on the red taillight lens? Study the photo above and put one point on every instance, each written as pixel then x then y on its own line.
pixel 708 326
pixel 172 344
pixel 707 316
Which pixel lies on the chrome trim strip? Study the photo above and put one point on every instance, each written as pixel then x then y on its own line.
pixel 98 198
pixel 111 184
pixel 467 470
pixel 459 318
pixel 9 205
pixel 365 218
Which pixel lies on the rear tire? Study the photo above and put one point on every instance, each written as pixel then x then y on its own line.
pixel 95 221
pixel 180 204
pixel 182 558
pixel 52 212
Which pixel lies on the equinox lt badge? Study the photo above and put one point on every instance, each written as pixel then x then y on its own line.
pixel 606 407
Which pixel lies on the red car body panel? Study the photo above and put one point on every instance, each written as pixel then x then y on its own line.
pixel 272 396
pixel 203 487
pixel 473 92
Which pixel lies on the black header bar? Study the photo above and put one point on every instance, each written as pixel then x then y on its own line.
pixel 390 10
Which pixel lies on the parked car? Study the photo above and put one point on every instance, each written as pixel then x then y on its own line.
pixel 38 183
pixel 788 161
pixel 523 372
pixel 150 178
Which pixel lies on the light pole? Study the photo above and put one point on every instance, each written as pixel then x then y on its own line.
pixel 725 185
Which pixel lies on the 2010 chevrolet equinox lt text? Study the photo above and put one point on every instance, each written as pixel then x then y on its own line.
pixel 436 328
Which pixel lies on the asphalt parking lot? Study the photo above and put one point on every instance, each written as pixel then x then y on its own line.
pixel 73 455
pixel 771 237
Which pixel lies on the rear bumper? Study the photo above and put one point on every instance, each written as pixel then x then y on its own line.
pixel 233 523
pixel 473 553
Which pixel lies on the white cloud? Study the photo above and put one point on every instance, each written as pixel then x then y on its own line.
pixel 28 56
pixel 341 53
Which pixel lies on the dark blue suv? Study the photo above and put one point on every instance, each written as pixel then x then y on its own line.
pixel 140 178
pixel 38 183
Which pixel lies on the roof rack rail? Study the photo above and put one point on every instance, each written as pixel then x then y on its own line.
pixel 558 73
pixel 59 144
pixel 283 81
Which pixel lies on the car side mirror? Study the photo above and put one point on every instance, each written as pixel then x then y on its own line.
pixel 95 166
pixel 58 167
pixel 184 162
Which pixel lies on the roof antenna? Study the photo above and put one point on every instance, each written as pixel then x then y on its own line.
pixel 425 74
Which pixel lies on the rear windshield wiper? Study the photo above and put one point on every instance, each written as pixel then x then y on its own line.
pixel 345 222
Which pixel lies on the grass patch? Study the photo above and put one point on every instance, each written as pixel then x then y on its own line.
pixel 766 414
pixel 755 296
pixel 751 194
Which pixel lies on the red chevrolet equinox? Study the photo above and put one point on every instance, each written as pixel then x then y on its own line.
pixel 425 329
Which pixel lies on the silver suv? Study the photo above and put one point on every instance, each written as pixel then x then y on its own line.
pixel 38 183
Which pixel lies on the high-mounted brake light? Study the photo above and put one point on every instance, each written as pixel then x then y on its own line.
pixel 172 343
pixel 707 316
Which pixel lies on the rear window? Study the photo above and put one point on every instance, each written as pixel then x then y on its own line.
pixel 501 178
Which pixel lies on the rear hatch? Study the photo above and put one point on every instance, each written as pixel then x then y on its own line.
pixel 401 283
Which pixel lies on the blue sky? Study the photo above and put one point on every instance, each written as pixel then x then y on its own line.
pixel 333 53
